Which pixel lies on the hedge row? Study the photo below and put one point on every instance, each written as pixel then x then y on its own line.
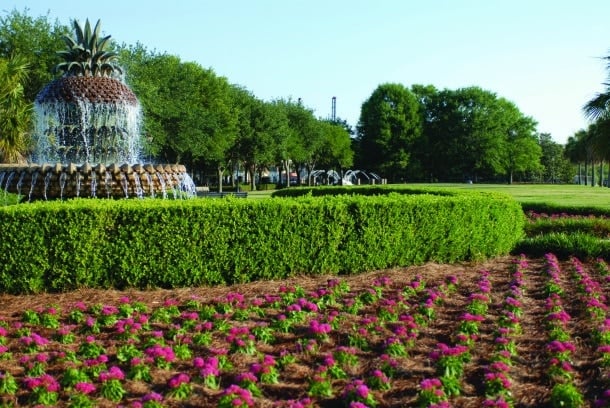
pixel 59 246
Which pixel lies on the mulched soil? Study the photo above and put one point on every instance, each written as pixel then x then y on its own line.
pixel 531 386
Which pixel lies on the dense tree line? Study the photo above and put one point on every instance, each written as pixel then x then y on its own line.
pixel 191 115
pixel 195 117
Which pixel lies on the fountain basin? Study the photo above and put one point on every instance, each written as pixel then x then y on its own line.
pixel 60 181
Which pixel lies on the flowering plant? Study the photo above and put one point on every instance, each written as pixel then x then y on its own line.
pixel 180 386
pixel 377 380
pixel 43 389
pixel 112 387
pixel 248 381
pixel 346 356
pixel 209 371
pixel 357 391
pixel 266 370
pixel 235 397
pixel 80 398
pixel 333 369
pixel 320 385
pixel 241 341
pixel 430 392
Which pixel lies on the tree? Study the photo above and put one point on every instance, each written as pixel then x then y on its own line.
pixel 36 40
pixel 188 111
pixel 15 111
pixel 471 133
pixel 257 125
pixel 555 165
pixel 598 107
pixel 389 125
pixel 518 150
pixel 310 137
pixel 575 152
pixel 336 151
pixel 289 141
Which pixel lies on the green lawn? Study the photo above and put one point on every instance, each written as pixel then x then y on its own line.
pixel 562 194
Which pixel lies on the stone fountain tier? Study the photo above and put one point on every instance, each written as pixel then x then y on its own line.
pixel 104 90
pixel 62 181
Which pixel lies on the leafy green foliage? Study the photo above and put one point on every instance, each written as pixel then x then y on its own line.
pixel 87 54
pixel 389 124
pixel 61 246
pixel 35 39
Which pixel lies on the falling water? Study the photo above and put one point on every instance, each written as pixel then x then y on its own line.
pixel 78 181
pixel 85 132
pixel 108 184
pixel 62 184
pixel 47 181
pixel 151 186
pixel 20 183
pixel 9 179
pixel 162 182
pixel 138 185
pixel 125 184
pixel 32 184
pixel 93 183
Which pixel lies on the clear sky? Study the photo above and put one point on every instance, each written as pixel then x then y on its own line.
pixel 543 55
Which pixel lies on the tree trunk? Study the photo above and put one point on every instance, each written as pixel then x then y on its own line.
pixel 286 167
pixel 310 168
pixel 510 177
pixel 220 171
pixel 586 172
pixel 252 171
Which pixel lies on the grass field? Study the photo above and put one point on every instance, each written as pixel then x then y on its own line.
pixel 561 194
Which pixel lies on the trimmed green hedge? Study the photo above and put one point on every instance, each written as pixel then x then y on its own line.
pixel 564 234
pixel 59 246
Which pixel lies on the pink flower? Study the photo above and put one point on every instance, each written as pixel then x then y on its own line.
pixel 472 318
pixel 84 387
pixel 430 383
pixel 113 373
pixel 178 379
pixel 152 396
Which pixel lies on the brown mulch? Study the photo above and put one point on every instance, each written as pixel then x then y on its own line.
pixel 530 384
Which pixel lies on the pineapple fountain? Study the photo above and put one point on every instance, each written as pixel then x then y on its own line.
pixel 87 134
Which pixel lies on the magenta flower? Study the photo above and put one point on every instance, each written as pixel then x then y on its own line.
pixel 319 329
pixel 152 396
pixel 45 381
pixel 113 373
pixel 430 383
pixel 472 318
pixel 85 387
pixel 178 379
pixel 557 346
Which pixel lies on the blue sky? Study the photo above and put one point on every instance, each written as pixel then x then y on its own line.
pixel 543 55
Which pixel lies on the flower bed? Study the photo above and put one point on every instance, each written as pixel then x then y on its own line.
pixel 492 334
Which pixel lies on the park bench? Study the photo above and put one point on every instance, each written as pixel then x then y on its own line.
pixel 215 194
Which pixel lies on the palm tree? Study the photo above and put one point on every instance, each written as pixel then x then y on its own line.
pixel 599 107
pixel 15 112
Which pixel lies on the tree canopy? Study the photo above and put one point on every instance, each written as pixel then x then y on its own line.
pixel 196 117
pixel 389 124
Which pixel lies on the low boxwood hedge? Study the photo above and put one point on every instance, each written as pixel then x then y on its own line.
pixel 59 246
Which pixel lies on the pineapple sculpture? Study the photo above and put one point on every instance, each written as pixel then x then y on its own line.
pixel 88 114
pixel 87 135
